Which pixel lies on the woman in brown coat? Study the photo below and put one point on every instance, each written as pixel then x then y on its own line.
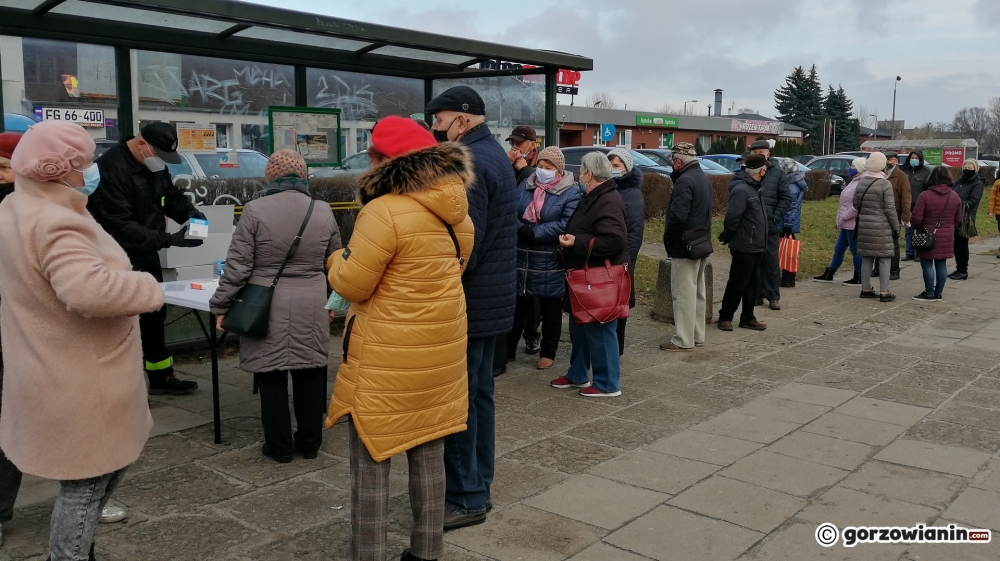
pixel 298 336
pixel 75 405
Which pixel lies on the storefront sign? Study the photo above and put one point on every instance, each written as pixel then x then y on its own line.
pixel 88 118
pixel 953 157
pixel 607 132
pixel 650 121
pixel 567 80
pixel 196 138
pixel 932 156
pixel 568 90
pixel 764 127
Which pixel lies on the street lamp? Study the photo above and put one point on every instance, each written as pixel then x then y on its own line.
pixel 686 105
pixel 598 102
pixel 892 135
pixel 876 125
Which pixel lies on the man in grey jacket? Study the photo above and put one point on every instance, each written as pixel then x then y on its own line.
pixel 690 208
pixel 776 198
pixel 746 230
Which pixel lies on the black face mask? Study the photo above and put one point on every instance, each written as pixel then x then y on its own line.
pixel 968 173
pixel 442 136
pixel 743 167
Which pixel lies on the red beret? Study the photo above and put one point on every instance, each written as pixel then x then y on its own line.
pixel 8 141
pixel 394 136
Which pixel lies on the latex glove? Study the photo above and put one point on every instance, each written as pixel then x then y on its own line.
pixel 198 214
pixel 178 239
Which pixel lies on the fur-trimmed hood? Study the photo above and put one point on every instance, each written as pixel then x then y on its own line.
pixel 630 180
pixel 437 177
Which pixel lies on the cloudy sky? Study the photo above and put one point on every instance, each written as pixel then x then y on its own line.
pixel 651 52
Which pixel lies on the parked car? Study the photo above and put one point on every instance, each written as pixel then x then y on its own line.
pixel 804 159
pixel 838 166
pixel 727 161
pixel 854 154
pixel 574 154
pixel 357 163
pixel 207 165
pixel 102 146
pixel 662 157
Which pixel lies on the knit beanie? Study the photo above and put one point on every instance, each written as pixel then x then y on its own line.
pixel 49 150
pixel 554 155
pixel 623 155
pixel 876 162
pixel 394 136
pixel 974 163
pixel 8 141
pixel 859 164
pixel 284 163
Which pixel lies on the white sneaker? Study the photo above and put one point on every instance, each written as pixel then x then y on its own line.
pixel 112 514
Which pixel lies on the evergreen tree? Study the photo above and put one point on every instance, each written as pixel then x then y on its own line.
pixel 840 108
pixel 800 102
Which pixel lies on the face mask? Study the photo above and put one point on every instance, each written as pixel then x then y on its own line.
pixel 914 163
pixel 91 179
pixel 968 173
pixel 442 136
pixel 153 162
pixel 852 172
pixel 544 176
pixel 743 167
pixel 616 172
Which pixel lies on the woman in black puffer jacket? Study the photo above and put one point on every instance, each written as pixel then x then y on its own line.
pixel 628 177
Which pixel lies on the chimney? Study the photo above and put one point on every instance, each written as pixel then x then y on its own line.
pixel 718 103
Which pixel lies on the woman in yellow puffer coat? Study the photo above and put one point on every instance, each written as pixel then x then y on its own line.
pixel 403 377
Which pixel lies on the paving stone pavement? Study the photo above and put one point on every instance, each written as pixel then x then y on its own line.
pixel 844 411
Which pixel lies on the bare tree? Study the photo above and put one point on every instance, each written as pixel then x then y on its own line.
pixel 670 109
pixel 928 131
pixel 601 99
pixel 865 114
pixel 973 122
pixel 746 110
pixel 993 137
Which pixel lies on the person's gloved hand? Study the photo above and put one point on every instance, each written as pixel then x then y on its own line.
pixel 198 214
pixel 526 234
pixel 177 239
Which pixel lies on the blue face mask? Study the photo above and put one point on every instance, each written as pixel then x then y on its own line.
pixel 852 172
pixel 91 179
pixel 914 163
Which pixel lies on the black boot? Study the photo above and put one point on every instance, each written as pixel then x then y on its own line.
pixel 854 281
pixel 407 556
pixel 827 275
pixel 787 279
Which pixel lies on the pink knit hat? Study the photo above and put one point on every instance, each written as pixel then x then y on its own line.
pixel 285 162
pixel 51 149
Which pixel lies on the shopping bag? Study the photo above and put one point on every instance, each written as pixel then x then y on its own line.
pixel 788 254
pixel 337 303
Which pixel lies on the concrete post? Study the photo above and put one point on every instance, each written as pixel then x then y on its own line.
pixel 663 302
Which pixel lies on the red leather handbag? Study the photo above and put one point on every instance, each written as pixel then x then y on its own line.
pixel 599 294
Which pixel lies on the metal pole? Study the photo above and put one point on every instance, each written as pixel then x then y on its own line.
pixel 301 86
pixel 892 135
pixel 428 96
pixel 2 125
pixel 123 75
pixel 551 126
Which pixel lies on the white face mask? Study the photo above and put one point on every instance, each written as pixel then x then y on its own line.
pixel 153 162
pixel 616 172
pixel 544 175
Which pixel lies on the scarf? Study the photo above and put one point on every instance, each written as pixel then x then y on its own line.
pixel 533 214
pixel 288 183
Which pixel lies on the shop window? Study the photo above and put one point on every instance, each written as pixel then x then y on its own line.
pixel 705 142
pixel 221 135
pixel 666 140
pixel 597 137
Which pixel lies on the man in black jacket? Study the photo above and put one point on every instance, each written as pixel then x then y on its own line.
pixel 746 230
pixel 917 172
pixel 628 178
pixel 688 214
pixel 776 198
pixel 131 203
pixel 523 155
pixel 490 286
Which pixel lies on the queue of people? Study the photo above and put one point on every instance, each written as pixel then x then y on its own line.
pixel 462 240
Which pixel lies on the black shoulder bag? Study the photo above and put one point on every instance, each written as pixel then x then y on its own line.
pixel 924 239
pixel 251 310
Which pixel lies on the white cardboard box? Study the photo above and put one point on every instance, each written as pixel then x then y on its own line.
pixel 197 229
pixel 220 219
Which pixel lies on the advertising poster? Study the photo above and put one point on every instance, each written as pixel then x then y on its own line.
pixel 953 157
pixel 196 139
pixel 932 156
pixel 313 133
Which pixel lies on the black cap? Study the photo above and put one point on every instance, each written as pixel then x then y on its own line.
pixel 755 161
pixel 891 154
pixel 522 133
pixel 761 144
pixel 459 98
pixel 163 138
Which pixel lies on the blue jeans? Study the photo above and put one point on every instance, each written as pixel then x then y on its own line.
pixel 846 240
pixel 469 455
pixel 909 240
pixel 595 345
pixel 935 274
pixel 76 514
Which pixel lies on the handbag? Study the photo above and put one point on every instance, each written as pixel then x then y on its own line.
pixel 698 242
pixel 968 226
pixel 924 239
pixel 788 254
pixel 250 312
pixel 599 294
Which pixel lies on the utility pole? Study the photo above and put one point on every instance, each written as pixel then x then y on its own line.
pixel 892 135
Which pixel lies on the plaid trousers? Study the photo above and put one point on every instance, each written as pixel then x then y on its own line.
pixel 370 501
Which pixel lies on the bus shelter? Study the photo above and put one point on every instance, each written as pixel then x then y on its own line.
pixel 113 65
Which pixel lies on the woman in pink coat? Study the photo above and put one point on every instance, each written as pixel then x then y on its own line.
pixel 846 215
pixel 939 210
pixel 74 399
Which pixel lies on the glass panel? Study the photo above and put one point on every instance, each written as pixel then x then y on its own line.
pixel 418 54
pixel 213 92
pixel 363 99
pixel 144 17
pixel 59 80
pixel 510 101
pixel 23 4
pixel 249 164
pixel 183 168
pixel 297 38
